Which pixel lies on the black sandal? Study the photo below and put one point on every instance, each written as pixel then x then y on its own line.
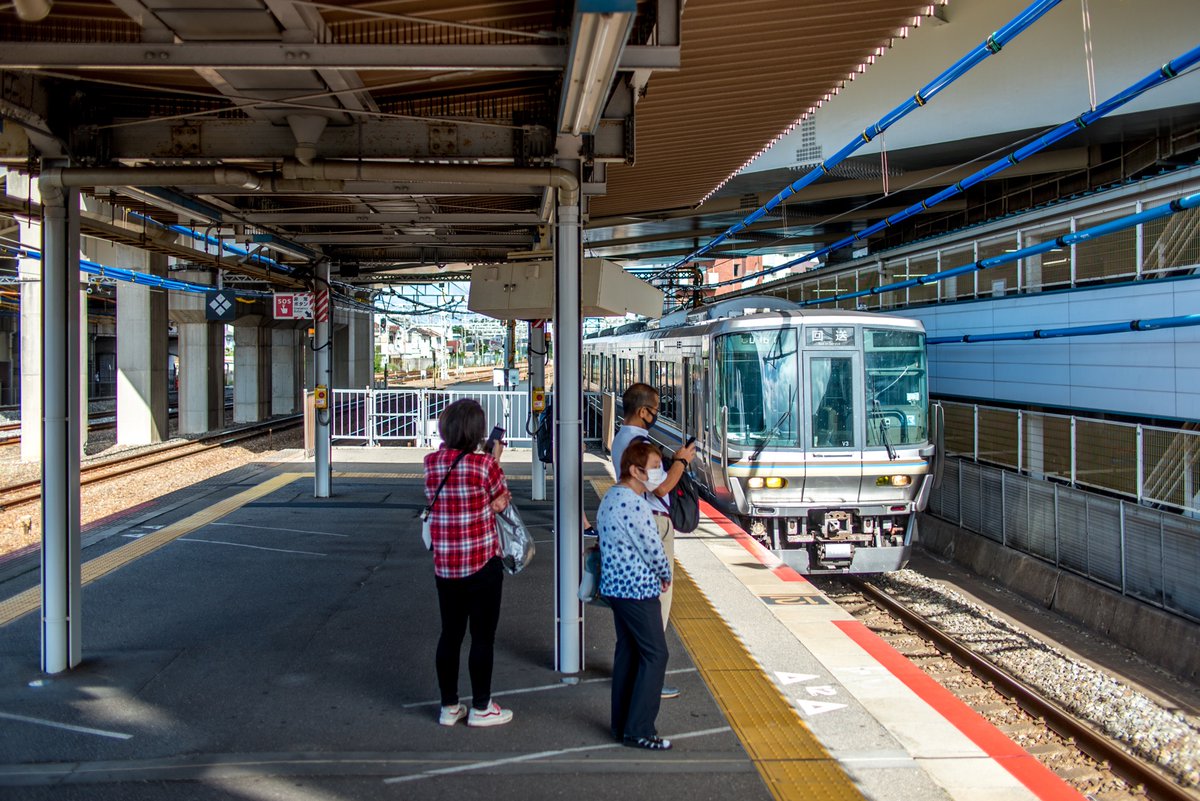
pixel 651 743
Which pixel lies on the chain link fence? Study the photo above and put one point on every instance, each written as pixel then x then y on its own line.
pixel 1149 554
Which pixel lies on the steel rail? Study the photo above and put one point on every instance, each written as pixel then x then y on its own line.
pixel 164 455
pixel 1156 783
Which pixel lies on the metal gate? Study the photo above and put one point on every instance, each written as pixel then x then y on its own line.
pixel 410 415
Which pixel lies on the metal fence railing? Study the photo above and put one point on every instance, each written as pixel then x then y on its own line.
pixel 1151 465
pixel 1149 554
pixel 409 416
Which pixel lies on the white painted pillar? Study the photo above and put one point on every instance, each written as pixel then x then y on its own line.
pixel 30 272
pixel 340 355
pixel 201 377
pixel 201 344
pixel 142 359
pixel 251 372
pixel 285 371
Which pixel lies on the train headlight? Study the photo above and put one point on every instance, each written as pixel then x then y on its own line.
pixel 893 481
pixel 770 482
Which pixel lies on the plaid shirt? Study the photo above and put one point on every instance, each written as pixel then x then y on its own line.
pixel 464 526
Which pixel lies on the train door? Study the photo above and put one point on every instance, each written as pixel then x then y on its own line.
pixel 695 415
pixel 833 426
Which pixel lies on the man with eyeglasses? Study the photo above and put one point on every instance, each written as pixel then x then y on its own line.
pixel 640 406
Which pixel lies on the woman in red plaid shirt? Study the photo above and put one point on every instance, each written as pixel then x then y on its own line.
pixel 466 559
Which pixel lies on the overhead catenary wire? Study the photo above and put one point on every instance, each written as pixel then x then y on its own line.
pixel 1169 71
pixel 991 45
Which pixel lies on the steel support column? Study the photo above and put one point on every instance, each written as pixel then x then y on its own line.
pixel 568 439
pixel 61 640
pixel 323 347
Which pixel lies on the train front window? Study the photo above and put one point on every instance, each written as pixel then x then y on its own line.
pixel 759 376
pixel 896 388
pixel 831 380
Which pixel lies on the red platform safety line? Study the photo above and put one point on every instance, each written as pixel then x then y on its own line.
pixel 1037 778
pixel 752 546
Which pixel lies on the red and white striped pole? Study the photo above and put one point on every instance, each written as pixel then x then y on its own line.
pixel 322 352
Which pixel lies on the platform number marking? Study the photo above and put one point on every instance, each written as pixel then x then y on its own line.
pixel 793 678
pixel 808 707
pixel 812 708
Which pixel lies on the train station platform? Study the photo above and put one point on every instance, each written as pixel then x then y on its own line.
pixel 246 640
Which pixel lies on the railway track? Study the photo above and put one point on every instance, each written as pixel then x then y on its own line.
pixel 29 492
pixel 10 433
pixel 1099 766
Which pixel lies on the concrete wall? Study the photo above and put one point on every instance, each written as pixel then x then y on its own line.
pixel 1160 637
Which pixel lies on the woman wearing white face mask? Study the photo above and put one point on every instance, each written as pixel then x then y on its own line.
pixel 634 572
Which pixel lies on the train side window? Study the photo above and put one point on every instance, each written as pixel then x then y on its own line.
pixel 624 375
pixel 662 378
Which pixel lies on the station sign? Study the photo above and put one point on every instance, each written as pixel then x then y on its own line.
pixel 220 304
pixel 293 305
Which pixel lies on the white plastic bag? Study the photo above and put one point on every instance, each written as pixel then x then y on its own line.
pixel 516 543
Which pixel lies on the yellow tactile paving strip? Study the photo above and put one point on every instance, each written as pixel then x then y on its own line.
pixel 787 755
pixel 31 599
pixel 791 760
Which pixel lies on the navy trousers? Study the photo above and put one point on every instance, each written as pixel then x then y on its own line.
pixel 474 600
pixel 639 665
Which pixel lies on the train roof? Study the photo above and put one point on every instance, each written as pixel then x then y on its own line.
pixel 750 311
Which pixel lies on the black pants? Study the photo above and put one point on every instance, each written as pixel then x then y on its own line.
pixel 475 600
pixel 639 665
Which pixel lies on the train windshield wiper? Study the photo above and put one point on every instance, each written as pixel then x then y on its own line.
pixel 776 352
pixel 762 441
pixel 883 429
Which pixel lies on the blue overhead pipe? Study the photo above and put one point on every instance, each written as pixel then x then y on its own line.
pixel 989 46
pixel 1166 72
pixel 212 240
pixel 133 276
pixel 1153 324
pixel 1103 229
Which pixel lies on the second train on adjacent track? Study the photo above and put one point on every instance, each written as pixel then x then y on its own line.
pixel 814 428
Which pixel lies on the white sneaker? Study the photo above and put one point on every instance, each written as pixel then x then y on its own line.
pixel 452 714
pixel 492 716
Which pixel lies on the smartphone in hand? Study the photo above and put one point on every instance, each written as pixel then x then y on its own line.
pixel 689 441
pixel 497 435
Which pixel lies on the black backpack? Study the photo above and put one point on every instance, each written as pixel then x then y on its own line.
pixel 685 505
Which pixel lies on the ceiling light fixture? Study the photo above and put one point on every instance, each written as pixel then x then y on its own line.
pixel 599 31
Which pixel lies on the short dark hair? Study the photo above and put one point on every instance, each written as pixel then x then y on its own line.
pixel 638 396
pixel 637 453
pixel 462 425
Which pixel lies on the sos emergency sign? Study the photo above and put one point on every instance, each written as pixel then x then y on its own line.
pixel 293 305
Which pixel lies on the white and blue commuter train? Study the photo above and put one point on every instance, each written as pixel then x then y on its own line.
pixel 814 428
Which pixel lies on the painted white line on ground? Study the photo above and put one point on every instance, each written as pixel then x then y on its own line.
pixel 116 735
pixel 255 547
pixel 428 774
pixel 539 689
pixel 274 528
